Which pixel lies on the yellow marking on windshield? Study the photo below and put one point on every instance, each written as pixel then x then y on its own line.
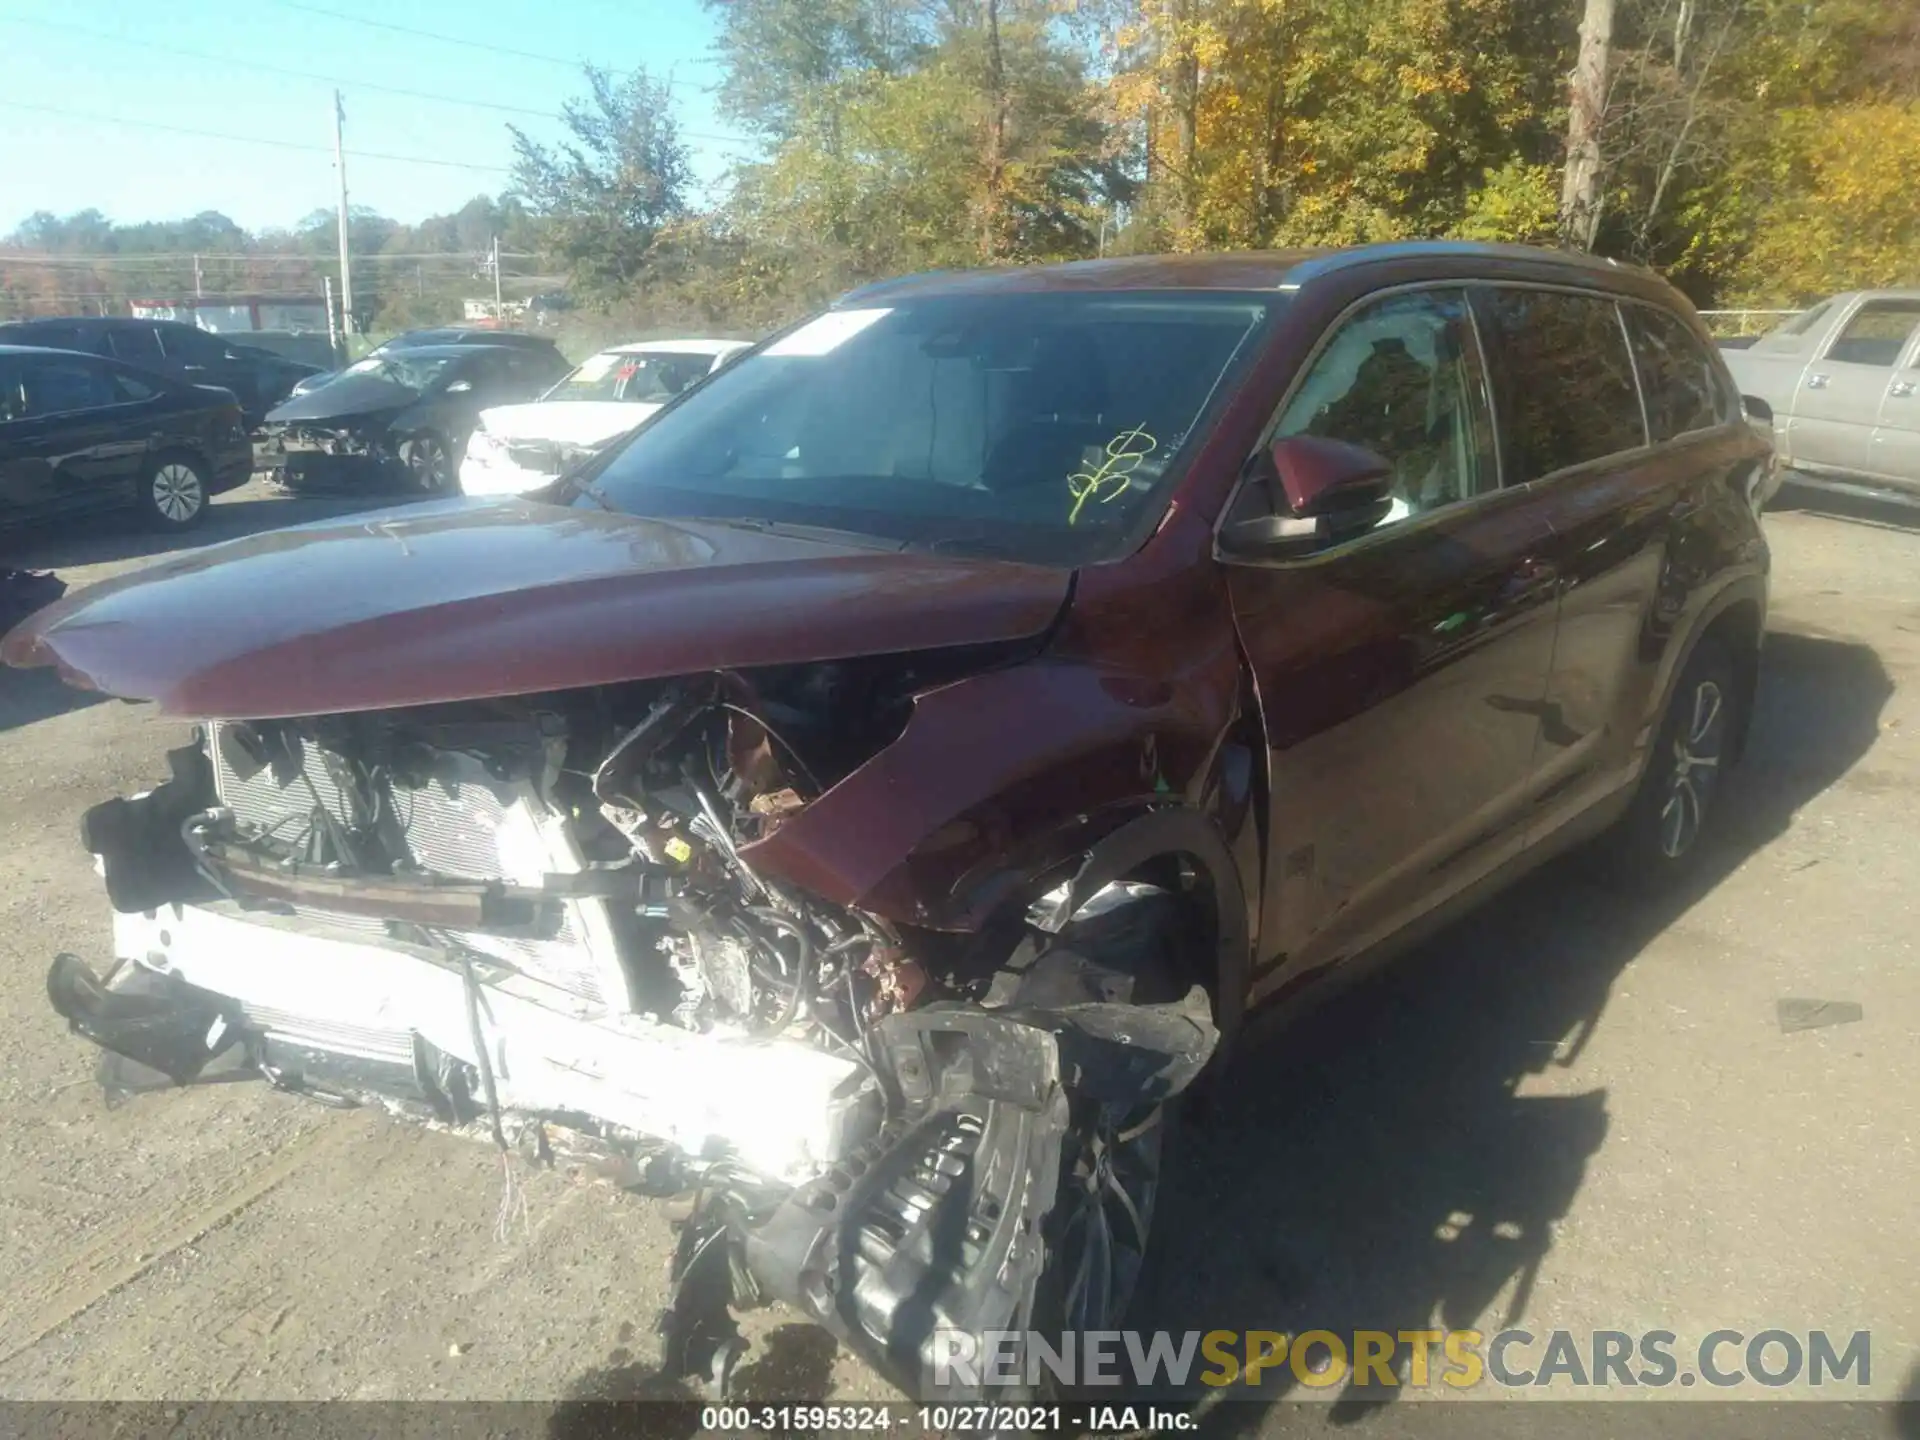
pixel 1107 481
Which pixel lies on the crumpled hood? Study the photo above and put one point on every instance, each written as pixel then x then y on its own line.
pixel 343 396
pixel 568 422
pixel 467 600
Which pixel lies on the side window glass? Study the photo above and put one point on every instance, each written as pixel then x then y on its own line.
pixel 136 344
pixel 58 337
pixel 1403 379
pixel 1677 376
pixel 56 386
pixel 128 389
pixel 1877 333
pixel 193 347
pixel 1563 381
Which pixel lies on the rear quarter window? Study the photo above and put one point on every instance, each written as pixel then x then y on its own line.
pixel 1563 380
pixel 136 344
pixel 1682 384
pixel 131 389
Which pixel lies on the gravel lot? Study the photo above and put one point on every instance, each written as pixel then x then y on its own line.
pixel 1567 1112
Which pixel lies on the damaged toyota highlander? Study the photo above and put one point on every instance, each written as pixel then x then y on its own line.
pixel 869 797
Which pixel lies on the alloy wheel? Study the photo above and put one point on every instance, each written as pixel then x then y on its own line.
pixel 427 462
pixel 178 494
pixel 1697 751
pixel 1108 1198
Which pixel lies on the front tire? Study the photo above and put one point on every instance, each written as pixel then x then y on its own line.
pixel 1660 838
pixel 173 493
pixel 1115 1159
pixel 428 462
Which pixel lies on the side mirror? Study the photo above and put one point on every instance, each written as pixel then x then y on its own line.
pixel 1306 493
pixel 460 387
pixel 1757 410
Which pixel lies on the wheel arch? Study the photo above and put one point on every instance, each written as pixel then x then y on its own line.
pixel 1740 626
pixel 1735 614
pixel 1186 838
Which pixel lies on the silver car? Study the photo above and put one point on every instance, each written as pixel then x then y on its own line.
pixel 1843 379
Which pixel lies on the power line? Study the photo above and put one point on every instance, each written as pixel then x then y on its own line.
pixel 738 141
pixel 183 257
pixel 249 139
pixel 428 34
pixel 273 69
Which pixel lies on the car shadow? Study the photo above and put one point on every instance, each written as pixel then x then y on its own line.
pixel 1377 1168
pixel 1880 510
pixel 109 539
pixel 27 696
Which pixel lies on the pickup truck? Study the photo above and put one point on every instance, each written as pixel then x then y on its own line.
pixel 1843 381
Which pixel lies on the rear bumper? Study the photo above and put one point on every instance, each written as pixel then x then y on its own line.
pixel 231 469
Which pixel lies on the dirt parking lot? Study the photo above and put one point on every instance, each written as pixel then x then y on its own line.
pixel 1568 1112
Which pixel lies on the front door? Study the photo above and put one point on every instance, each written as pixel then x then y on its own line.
pixel 1400 675
pixel 1837 406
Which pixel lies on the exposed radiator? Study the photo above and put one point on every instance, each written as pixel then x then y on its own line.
pixel 464 824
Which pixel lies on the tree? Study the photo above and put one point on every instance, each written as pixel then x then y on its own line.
pixel 603 195
pixel 1581 196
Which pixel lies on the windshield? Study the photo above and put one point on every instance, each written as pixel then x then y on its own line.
pixel 652 378
pixel 1038 425
pixel 416 372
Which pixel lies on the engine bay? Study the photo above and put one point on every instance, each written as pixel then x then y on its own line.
pixel 536 919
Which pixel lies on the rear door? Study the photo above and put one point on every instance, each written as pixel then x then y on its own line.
pixel 27 491
pixel 1624 509
pixel 1837 406
pixel 90 435
pixel 1896 439
pixel 1400 674
pixel 203 358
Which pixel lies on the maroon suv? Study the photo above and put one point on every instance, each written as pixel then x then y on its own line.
pixel 869 794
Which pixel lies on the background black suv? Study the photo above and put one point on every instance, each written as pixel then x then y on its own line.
pixel 258 378
pixel 444 335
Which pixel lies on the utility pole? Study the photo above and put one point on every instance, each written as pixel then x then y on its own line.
pixel 498 317
pixel 1580 193
pixel 346 262
pixel 198 292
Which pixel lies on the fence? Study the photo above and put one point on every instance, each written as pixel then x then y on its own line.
pixel 1743 324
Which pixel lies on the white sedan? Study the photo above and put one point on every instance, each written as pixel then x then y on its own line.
pixel 517 448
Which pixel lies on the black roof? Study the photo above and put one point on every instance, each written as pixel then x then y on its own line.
pixel 86 322
pixel 456 335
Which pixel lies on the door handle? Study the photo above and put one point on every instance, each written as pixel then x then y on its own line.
pixel 1817 382
pixel 1529 577
pixel 1902 389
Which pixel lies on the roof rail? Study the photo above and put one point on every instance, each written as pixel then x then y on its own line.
pixel 1345 259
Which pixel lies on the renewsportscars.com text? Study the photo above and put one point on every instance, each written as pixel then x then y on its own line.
pixel 1406 1359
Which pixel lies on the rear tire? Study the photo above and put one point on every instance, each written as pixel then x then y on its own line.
pixel 173 492
pixel 1660 839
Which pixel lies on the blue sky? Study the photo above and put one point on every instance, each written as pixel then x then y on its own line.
pixel 121 59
